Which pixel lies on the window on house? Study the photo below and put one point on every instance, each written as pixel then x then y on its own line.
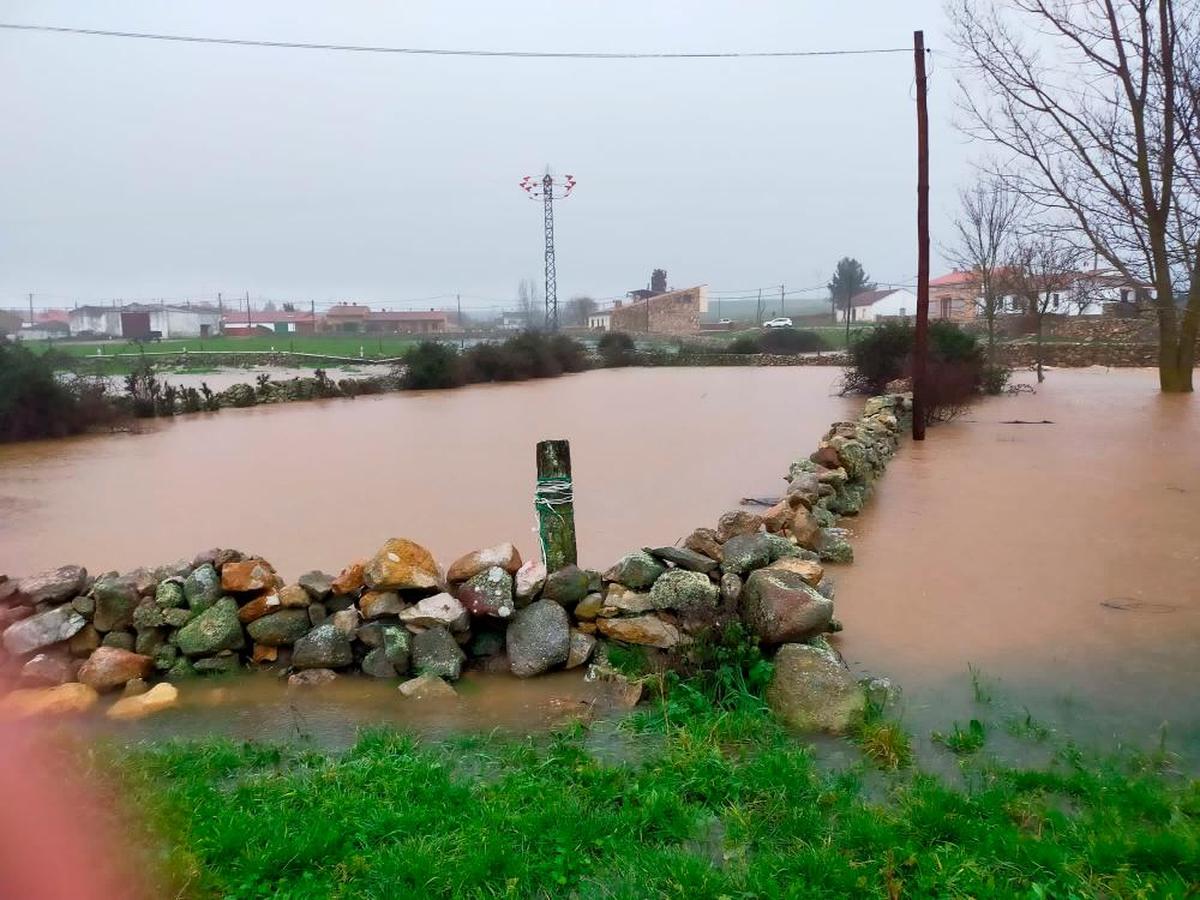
pixel 903 312
pixel 1055 301
pixel 1124 295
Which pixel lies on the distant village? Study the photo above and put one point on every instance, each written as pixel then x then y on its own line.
pixel 668 311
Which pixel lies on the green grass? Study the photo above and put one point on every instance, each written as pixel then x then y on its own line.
pixel 373 346
pixel 726 805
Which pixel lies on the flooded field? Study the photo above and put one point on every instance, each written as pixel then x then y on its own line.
pixel 1060 560
pixel 656 453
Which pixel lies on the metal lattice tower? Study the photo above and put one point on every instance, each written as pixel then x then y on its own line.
pixel 547 190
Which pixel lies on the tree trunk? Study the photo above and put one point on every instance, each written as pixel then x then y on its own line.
pixel 1175 362
pixel 1040 376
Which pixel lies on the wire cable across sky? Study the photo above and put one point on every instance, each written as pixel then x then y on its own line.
pixel 442 51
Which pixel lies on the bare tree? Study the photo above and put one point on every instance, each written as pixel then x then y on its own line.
pixel 527 302
pixel 1096 104
pixel 578 309
pixel 1043 276
pixel 983 242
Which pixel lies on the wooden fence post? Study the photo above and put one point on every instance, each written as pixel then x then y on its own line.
pixel 555 503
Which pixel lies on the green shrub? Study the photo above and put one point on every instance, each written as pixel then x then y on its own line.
pixel 431 365
pixel 790 340
pixel 35 403
pixel 744 344
pixel 879 356
pixel 616 348
pixel 994 379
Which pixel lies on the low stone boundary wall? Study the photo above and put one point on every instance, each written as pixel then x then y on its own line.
pixel 1020 355
pixel 68 636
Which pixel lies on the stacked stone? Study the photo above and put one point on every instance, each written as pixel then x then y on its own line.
pixel 396 615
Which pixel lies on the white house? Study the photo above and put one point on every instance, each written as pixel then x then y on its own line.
pixel 887 303
pixel 141 320
pixel 600 320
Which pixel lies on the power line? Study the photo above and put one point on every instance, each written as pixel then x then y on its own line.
pixel 442 51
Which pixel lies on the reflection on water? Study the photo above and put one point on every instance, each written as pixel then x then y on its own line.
pixel 1060 560
pixel 656 453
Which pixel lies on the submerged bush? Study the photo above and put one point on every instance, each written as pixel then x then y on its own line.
pixel 790 340
pixel 615 348
pixel 879 356
pixel 431 365
pixel 36 403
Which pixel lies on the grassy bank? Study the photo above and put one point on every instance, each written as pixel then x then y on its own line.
pixel 722 806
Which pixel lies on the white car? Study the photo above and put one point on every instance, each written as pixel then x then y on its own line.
pixel 781 322
pixel 725 322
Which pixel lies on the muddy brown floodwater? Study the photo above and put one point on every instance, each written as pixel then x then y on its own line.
pixel 1061 560
pixel 656 452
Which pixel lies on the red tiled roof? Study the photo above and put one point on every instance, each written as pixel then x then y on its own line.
pixel 348 309
pixel 237 317
pixel 407 316
pixel 953 279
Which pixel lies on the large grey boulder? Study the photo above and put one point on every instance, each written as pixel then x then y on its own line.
pixel 684 558
pixel 324 647
pixel 812 690
pixel 683 590
pixel 567 586
pixel 779 606
pixel 202 588
pixel 42 630
pixel 746 552
pixel 637 570
pixel 62 583
pixel 435 652
pixel 215 629
pixel 280 628
pixel 317 583
pixel 538 638
pixel 397 647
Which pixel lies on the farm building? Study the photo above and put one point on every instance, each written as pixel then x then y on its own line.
pixel 267 321
pixel 145 320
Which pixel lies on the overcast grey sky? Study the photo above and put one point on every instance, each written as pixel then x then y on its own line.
pixel 140 169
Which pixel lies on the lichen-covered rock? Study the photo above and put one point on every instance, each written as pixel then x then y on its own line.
pixel 312 678
pixel 401 564
pixel 324 647
pixel 638 570
pixel 683 590
pixel 377 665
pixel 435 652
pixel 64 699
pixel 440 609
pixel 589 607
pixel 293 596
pixel 746 552
pixel 116 596
pixel 812 690
pixel 582 646
pixel 52 586
pixel 503 555
pixel 731 589
pixel 529 581
pixel 214 630
pixel 42 630
pixel 181 670
pixel 489 592
pixel 286 626
pixel 780 607
pixel 620 600
pixel 122 640
pixel 567 586
pixel 648 630
pixel 316 584
pixel 346 621
pixel 248 575
pixel 202 588
pixel 736 522
pixel 176 616
pixel 147 614
pixel 161 696
pixel 169 594
pixel 397 647
pixel 684 558
pixel 110 667
pixel 374 604
pixel 834 546
pixel 539 638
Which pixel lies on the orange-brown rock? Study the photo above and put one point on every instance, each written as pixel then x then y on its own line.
pixel 374 604
pixel 649 630
pixel 809 569
pixel 350 579
pixel 704 540
pixel 805 528
pixel 161 696
pixel 260 606
pixel 248 575
pixel 401 564
pixel 736 522
pixel 110 667
pixel 293 596
pixel 779 516
pixel 72 697
pixel 505 556
pixel 264 654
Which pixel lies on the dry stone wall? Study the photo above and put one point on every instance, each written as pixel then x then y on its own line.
pixel 67 636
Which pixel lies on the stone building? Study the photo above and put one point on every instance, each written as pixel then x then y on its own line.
pixel 675 312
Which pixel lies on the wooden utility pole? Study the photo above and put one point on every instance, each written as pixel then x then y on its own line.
pixel 758 308
pixel 249 323
pixel 782 302
pixel 461 339
pixel 921 334
pixel 31 310
pixel 555 503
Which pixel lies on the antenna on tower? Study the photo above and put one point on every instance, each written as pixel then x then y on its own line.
pixel 547 189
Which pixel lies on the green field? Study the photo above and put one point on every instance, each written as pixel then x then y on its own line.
pixel 348 345
pixel 671 803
